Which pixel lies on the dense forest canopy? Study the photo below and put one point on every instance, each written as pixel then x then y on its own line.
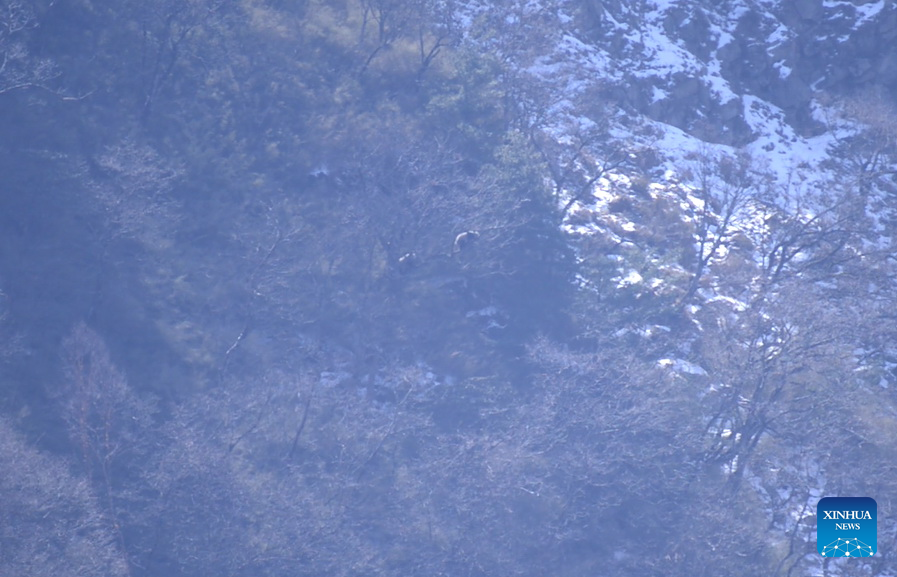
pixel 317 287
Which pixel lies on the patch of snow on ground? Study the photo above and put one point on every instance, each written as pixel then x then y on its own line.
pixel 867 12
pixel 864 12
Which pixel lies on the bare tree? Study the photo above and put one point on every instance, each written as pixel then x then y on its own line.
pixel 105 420
pixel 167 29
pixel 133 186
pixel 723 189
pixel 871 149
pixel 19 69
pixel 50 523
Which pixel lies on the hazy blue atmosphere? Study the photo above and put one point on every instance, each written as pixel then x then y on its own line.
pixel 445 287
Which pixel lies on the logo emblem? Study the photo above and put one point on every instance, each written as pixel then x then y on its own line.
pixel 847 527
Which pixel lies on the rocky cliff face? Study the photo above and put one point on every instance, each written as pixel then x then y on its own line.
pixel 692 64
pixel 787 84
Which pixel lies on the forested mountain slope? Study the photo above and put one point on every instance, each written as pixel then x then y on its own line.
pixel 432 287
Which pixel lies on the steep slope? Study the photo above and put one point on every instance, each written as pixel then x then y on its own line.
pixel 317 314
pixel 726 171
